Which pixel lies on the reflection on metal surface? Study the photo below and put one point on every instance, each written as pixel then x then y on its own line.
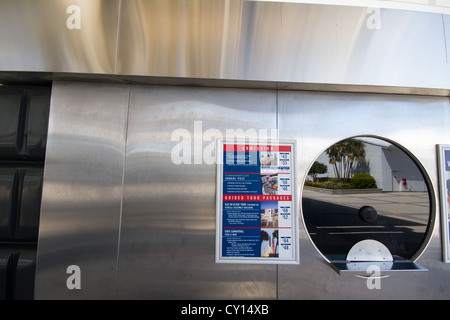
pixel 281 42
pixel 35 36
pixel 369 250
pixel 317 121
pixel 227 40
pixel 415 5
pixel 23 125
pixel 23 131
pixel 82 192
pixel 168 217
pixel 344 267
pixel 165 249
pixel 357 165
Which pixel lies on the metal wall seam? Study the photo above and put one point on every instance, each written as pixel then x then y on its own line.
pixel 121 197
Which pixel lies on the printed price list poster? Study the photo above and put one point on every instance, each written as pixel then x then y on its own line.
pixel 257 220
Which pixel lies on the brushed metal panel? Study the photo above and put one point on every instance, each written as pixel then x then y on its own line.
pixel 172 38
pixel 227 40
pixel 289 42
pixel 446 22
pixel 38 35
pixel 167 242
pixel 318 120
pixel 82 192
pixel 335 45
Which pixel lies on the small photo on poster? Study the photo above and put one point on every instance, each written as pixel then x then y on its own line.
pixel 269 184
pixel 269 243
pixel 269 214
pixel 268 159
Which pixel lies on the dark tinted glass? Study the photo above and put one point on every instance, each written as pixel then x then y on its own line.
pixel 366 188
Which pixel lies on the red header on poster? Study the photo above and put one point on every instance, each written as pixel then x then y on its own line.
pixel 256 197
pixel 247 147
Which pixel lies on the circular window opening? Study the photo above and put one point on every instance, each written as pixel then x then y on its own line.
pixel 366 188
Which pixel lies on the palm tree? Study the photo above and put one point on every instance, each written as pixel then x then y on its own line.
pixel 344 157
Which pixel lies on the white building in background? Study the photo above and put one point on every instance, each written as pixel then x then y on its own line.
pixel 392 168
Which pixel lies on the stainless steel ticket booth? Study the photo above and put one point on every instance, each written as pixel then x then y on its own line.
pixel 110 116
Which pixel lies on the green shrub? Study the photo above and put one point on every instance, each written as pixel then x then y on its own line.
pixel 329 184
pixel 363 181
